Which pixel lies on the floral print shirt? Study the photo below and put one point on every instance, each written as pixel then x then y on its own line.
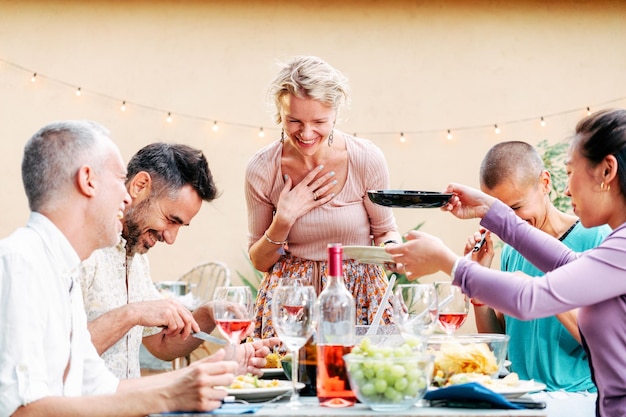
pixel 109 280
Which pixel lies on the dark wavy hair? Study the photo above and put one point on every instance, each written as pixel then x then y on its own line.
pixel 172 166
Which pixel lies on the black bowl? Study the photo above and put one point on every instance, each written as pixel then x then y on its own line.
pixel 408 199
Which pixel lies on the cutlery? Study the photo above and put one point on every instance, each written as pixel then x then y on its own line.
pixel 209 338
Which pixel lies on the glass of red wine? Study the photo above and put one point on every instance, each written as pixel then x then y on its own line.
pixel 453 306
pixel 293 318
pixel 233 313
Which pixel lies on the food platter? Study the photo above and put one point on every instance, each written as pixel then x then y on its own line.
pixel 367 254
pixel 517 390
pixel 408 198
pixel 261 394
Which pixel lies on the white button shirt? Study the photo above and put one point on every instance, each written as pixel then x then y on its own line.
pixel 42 321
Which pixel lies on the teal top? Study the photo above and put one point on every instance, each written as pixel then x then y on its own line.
pixel 543 349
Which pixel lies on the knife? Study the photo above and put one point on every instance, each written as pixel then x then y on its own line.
pixel 207 337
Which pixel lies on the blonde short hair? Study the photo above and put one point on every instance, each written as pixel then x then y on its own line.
pixel 309 77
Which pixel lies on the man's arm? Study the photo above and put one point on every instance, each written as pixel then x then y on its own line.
pixel 189 389
pixel 569 320
pixel 487 319
pixel 168 346
pixel 110 327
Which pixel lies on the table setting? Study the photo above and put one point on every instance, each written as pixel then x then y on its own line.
pixel 418 366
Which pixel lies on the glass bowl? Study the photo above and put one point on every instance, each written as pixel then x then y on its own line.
pixel 467 357
pixel 390 383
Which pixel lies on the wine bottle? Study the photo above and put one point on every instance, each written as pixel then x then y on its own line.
pixel 335 334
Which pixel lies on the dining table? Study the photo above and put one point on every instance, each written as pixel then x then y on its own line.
pixel 558 404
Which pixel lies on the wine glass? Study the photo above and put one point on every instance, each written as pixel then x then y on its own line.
pixel 453 307
pixel 294 321
pixel 415 312
pixel 233 313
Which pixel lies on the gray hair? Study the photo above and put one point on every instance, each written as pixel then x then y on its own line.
pixel 309 77
pixel 53 155
pixel 514 160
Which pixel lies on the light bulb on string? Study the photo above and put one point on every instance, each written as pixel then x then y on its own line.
pixel 496 129
pixel 33 78
pixel 169 118
pixel 402 138
pixel 123 106
pixel 215 126
pixel 543 122
pixel 261 133
pixel 449 135
pixel 78 92
pixel 588 111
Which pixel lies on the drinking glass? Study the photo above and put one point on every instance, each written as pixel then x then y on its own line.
pixel 294 320
pixel 233 313
pixel 415 312
pixel 453 307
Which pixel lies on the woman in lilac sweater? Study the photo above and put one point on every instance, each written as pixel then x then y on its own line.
pixel 594 280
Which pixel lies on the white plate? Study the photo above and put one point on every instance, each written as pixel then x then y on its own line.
pixel 521 388
pixel 367 254
pixel 260 394
pixel 272 372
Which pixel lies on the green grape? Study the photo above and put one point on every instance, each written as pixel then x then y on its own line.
pixel 386 375
pixel 380 385
pixel 368 389
pixel 401 384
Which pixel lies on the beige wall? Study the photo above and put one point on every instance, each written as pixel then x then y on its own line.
pixel 416 67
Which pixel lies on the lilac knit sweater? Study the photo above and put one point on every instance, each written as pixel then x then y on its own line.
pixel 594 280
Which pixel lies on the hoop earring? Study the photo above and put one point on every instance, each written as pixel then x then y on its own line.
pixel 330 139
pixel 602 186
pixel 282 135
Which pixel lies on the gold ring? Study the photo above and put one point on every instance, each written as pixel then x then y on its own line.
pixel 314 196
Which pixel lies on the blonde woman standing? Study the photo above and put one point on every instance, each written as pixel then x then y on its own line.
pixel 309 189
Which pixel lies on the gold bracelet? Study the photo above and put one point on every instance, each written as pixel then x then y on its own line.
pixel 273 242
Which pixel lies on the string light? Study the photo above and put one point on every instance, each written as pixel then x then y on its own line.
pixel 215 126
pixel 78 91
pixel 261 133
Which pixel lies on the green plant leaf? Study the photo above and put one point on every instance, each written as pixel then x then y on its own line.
pixel 253 282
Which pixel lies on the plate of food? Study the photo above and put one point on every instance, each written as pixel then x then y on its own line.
pixel 408 198
pixel 367 254
pixel 510 386
pixel 517 390
pixel 251 388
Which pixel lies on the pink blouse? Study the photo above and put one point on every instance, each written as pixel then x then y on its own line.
pixel 350 218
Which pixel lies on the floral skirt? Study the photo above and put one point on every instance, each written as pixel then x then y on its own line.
pixel 366 282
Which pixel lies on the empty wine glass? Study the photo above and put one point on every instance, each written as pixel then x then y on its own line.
pixel 453 307
pixel 294 321
pixel 233 313
pixel 415 312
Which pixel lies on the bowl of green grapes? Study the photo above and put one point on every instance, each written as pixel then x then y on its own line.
pixel 388 378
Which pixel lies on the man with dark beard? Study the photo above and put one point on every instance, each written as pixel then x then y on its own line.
pixel 167 184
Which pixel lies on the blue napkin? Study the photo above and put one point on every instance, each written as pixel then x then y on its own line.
pixel 225 409
pixel 470 395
